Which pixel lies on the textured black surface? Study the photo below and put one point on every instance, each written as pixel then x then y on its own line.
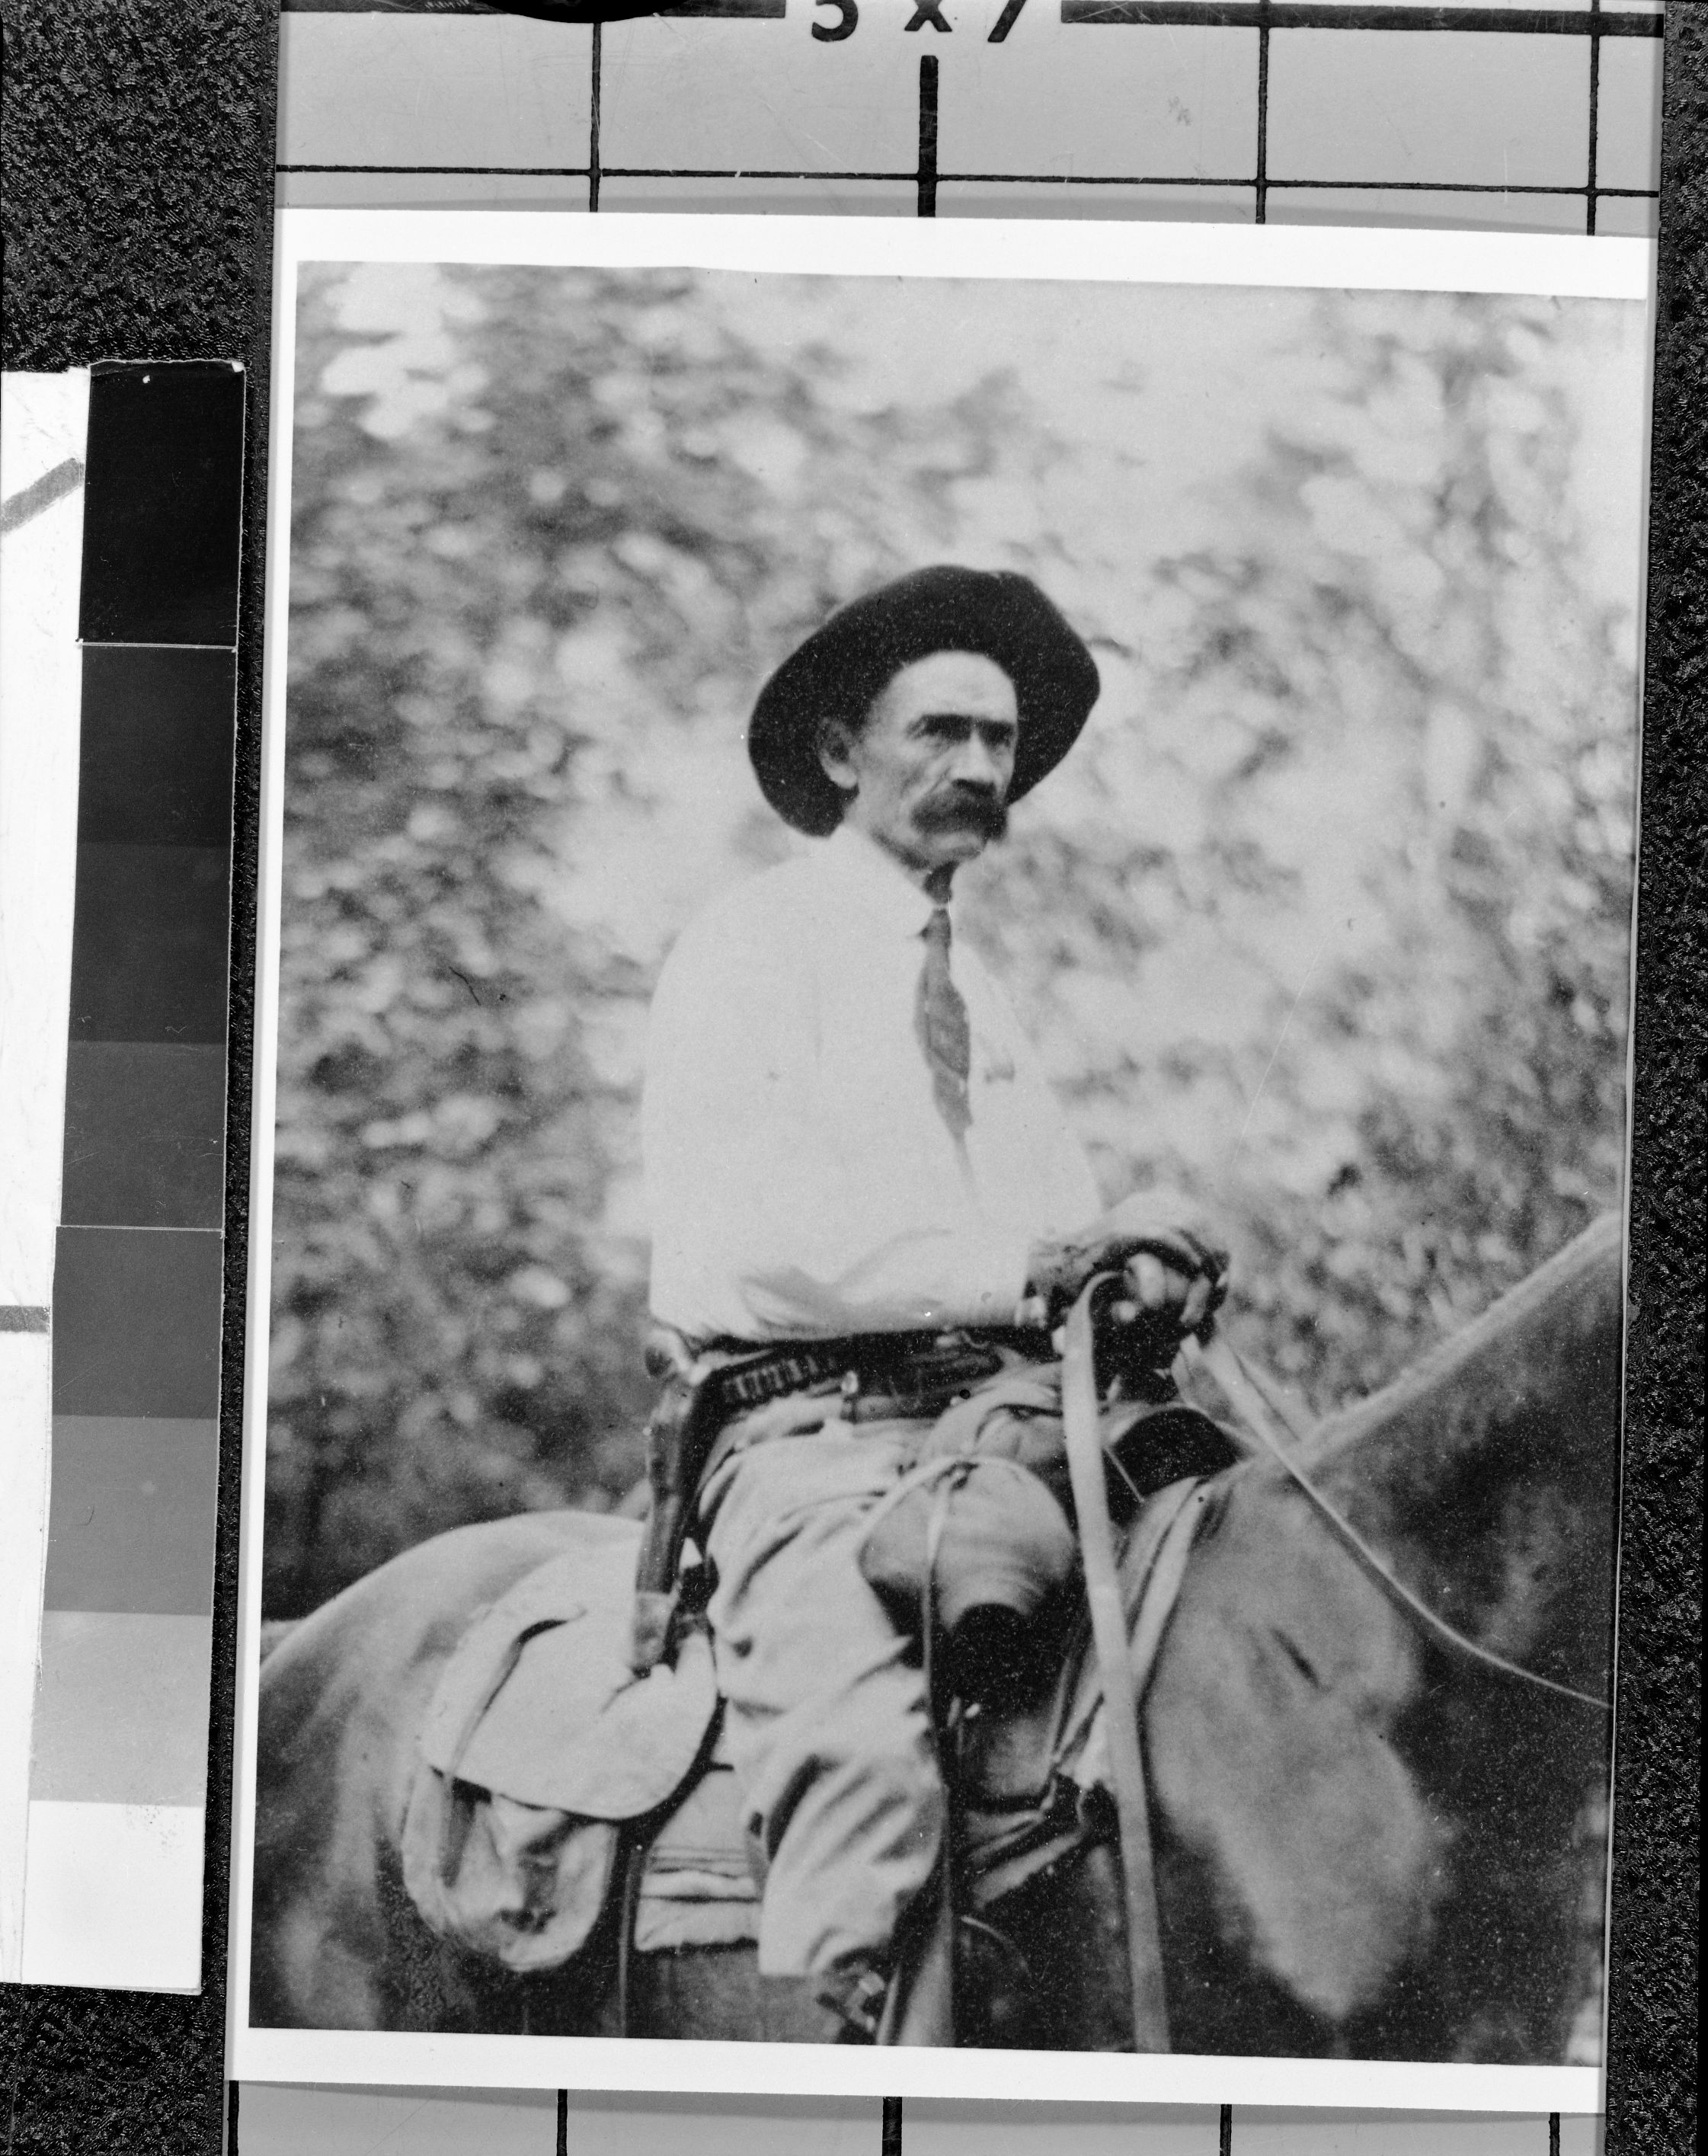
pixel 138 187
pixel 138 184
pixel 137 140
pixel 1651 2085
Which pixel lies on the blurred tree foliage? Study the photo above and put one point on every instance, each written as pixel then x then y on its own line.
pixel 548 531
pixel 1396 697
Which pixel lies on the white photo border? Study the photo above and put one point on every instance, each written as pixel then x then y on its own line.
pixel 1298 257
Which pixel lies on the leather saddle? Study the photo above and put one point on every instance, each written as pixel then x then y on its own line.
pixel 544 1759
pixel 543 1762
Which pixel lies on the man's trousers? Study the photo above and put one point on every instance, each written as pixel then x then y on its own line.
pixel 829 1727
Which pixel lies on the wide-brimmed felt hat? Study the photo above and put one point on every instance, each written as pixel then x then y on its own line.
pixel 843 666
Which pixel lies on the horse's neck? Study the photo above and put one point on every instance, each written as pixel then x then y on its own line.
pixel 1487 1473
pixel 1340 1803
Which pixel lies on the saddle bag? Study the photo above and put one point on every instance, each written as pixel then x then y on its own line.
pixel 539 1743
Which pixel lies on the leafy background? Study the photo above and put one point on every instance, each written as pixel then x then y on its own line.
pixel 1326 922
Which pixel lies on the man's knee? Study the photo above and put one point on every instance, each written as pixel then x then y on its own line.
pixel 892 1763
pixel 870 1828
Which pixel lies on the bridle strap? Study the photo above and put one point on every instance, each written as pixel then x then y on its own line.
pixel 1081 1429
pixel 1269 1423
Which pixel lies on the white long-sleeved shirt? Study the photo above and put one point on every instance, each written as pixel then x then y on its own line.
pixel 801 1180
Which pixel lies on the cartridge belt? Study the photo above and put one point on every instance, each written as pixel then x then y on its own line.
pixel 905 1369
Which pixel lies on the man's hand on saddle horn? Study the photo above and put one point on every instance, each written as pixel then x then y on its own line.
pixel 1175 1276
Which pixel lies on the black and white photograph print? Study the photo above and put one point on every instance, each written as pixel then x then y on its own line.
pixel 945 1281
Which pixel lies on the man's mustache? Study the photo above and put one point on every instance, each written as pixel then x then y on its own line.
pixel 964 809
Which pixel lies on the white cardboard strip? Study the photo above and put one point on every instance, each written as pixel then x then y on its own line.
pixel 43 421
pixel 1314 256
pixel 27 1421
pixel 814 2069
pixel 43 425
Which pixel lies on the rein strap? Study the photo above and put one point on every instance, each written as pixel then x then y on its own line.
pixel 1108 1636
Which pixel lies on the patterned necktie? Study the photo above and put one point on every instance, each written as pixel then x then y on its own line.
pixel 940 1020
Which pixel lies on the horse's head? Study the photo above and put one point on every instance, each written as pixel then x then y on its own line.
pixel 1373 1841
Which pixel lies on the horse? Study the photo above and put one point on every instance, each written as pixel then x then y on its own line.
pixel 1376 1748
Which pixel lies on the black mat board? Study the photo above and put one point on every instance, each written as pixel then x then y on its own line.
pixel 154 761
pixel 136 165
pixel 135 1331
pixel 145 1135
pixel 163 496
pixel 149 944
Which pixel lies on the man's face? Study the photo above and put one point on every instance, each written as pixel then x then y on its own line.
pixel 927 776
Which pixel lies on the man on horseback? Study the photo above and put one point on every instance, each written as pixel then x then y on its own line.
pixel 868 1211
